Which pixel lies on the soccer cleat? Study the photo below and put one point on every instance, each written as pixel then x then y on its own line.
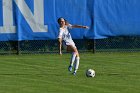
pixel 74 73
pixel 70 68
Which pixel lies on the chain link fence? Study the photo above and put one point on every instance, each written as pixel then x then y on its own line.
pixel 118 44
pixel 112 44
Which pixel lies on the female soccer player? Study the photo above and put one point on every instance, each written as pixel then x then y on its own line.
pixel 65 36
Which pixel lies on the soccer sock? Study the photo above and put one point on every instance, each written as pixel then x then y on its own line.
pixel 72 58
pixel 76 64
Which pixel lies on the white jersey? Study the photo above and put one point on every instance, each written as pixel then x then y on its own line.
pixel 66 36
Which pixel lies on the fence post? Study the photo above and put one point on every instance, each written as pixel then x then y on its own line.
pixel 18 47
pixel 94 46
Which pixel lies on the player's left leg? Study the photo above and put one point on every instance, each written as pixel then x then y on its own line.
pixel 76 62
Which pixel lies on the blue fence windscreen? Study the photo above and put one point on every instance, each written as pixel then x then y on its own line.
pixel 116 18
pixel 37 19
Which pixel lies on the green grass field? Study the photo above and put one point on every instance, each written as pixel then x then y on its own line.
pixel 115 73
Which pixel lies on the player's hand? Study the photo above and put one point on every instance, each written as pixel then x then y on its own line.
pixel 86 27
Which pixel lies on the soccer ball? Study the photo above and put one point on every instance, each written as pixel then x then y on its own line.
pixel 90 73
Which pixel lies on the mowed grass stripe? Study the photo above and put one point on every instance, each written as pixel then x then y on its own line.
pixel 115 73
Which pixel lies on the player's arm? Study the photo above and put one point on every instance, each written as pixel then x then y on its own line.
pixel 79 26
pixel 75 26
pixel 60 45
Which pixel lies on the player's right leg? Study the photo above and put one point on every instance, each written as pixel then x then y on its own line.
pixel 75 58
